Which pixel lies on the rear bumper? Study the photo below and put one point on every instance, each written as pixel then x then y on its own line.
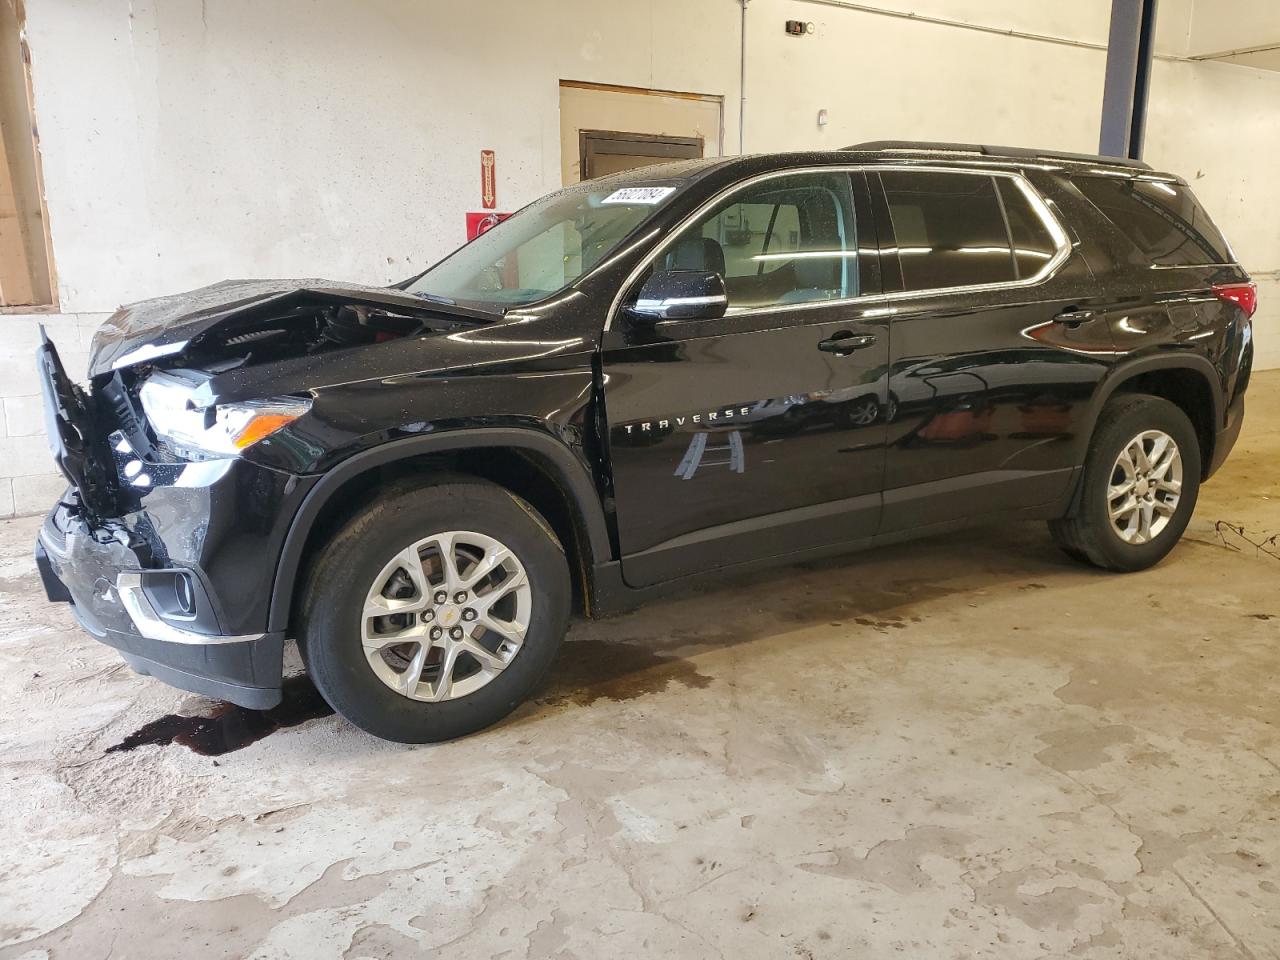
pixel 1225 440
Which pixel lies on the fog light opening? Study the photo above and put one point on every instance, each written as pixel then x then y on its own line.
pixel 185 596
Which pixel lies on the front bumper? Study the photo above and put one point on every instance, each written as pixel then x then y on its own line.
pixel 180 585
pixel 106 594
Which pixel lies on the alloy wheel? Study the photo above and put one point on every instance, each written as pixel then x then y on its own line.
pixel 446 615
pixel 1145 487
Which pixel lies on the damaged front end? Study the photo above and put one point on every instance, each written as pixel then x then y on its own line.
pixel 209 373
pixel 190 450
pixel 76 435
pixel 254 321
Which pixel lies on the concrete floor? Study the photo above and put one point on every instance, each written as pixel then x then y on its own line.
pixel 966 747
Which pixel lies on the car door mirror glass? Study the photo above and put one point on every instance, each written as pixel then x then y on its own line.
pixel 680 295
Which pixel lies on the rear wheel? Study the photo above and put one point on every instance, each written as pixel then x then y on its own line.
pixel 1140 484
pixel 435 611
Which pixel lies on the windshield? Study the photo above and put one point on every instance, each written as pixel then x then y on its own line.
pixel 545 247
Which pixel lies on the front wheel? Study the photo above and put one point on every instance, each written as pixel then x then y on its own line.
pixel 435 611
pixel 1140 483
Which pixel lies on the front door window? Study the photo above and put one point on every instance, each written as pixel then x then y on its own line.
pixel 784 240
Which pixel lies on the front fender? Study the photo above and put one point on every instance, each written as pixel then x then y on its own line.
pixel 568 470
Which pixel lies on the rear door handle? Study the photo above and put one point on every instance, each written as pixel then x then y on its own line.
pixel 844 342
pixel 1074 315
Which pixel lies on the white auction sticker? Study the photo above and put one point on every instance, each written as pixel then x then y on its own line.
pixel 647 195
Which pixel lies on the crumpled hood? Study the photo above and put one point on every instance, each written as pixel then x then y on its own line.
pixel 166 326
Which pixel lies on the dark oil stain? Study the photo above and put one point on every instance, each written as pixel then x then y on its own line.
pixel 882 624
pixel 591 670
pixel 1262 616
pixel 228 727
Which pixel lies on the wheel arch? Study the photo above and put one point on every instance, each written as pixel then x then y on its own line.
pixel 1189 381
pixel 532 465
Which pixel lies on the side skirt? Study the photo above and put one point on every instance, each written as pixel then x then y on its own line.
pixel 610 594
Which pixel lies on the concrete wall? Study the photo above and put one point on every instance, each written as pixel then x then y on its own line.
pixel 883 77
pixel 1215 27
pixel 186 141
pixel 1218 125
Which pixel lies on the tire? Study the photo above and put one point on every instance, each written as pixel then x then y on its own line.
pixel 341 646
pixel 1079 556
pixel 1088 533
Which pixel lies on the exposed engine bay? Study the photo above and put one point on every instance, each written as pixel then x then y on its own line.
pixel 307 329
pixel 160 370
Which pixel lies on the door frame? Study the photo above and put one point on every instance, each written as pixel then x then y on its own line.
pixel 738 540
pixel 28 270
pixel 595 143
pixel 1000 487
pixel 609 107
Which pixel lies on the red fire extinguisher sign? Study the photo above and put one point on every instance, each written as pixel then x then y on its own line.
pixel 479 221
pixel 488 180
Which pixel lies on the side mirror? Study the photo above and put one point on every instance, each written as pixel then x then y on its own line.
pixel 681 295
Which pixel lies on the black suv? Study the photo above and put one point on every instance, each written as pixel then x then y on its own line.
pixel 637 382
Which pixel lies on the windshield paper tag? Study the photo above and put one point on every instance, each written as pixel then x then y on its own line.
pixel 646 195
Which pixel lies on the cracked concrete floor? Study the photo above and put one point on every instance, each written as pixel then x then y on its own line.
pixel 965 747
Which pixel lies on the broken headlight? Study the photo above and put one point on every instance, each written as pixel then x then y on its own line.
pixel 218 430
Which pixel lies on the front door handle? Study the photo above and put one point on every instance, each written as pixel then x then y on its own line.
pixel 1074 315
pixel 844 342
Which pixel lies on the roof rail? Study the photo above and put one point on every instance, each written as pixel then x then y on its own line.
pixel 986 150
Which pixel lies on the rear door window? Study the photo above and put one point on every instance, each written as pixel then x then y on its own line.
pixel 1033 245
pixel 1163 220
pixel 950 229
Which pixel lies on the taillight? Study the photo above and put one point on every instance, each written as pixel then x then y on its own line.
pixel 1243 295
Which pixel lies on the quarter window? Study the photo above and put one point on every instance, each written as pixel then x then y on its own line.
pixel 1163 220
pixel 784 240
pixel 950 229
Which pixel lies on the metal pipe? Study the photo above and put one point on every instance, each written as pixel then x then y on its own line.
pixel 1260 48
pixel 742 81
pixel 979 27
